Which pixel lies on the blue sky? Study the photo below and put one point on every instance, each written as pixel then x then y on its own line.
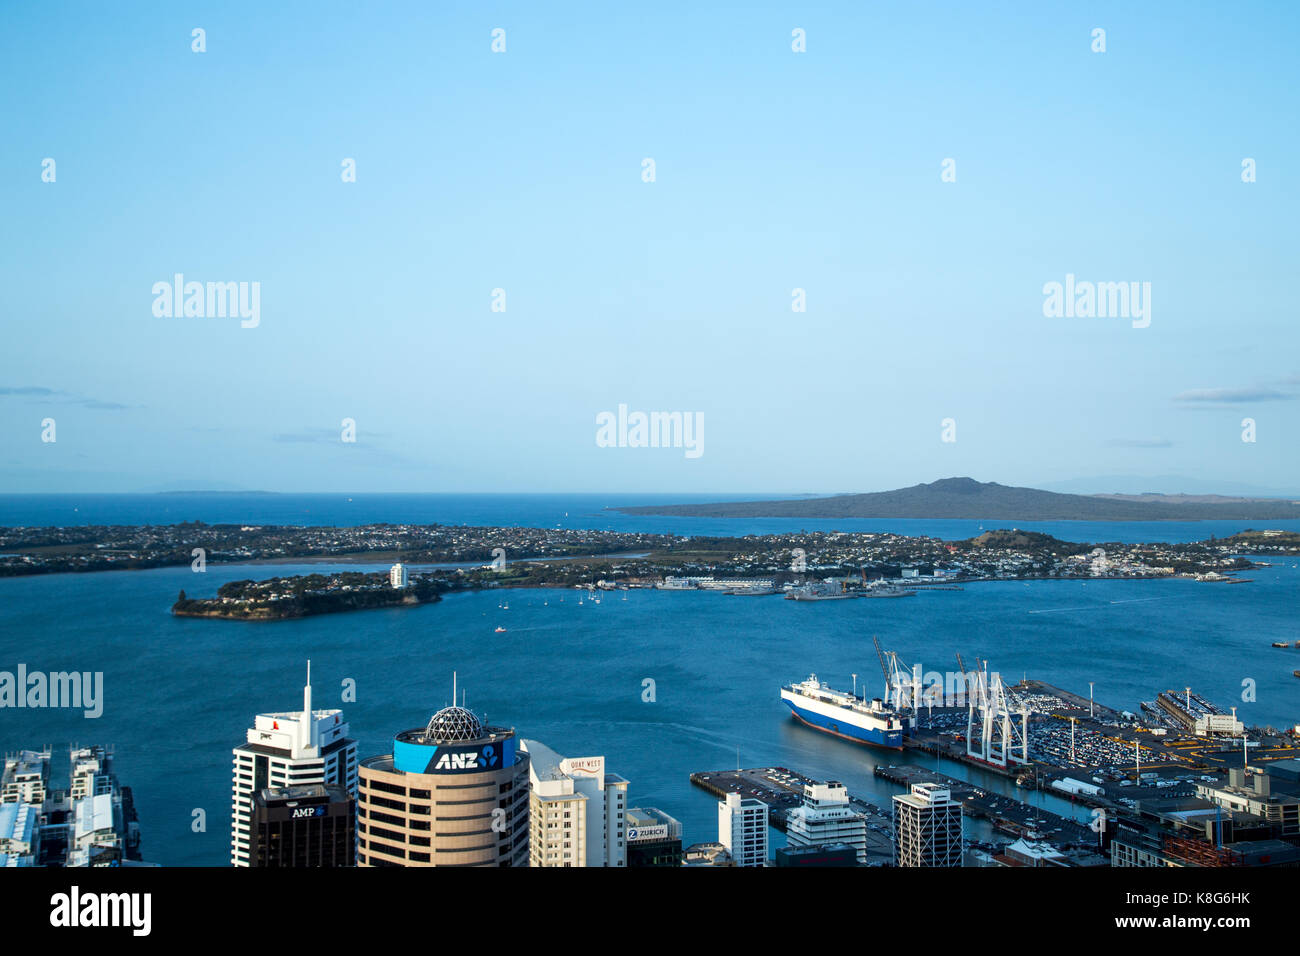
pixel 774 170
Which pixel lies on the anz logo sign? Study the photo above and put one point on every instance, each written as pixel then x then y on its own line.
pixel 464 760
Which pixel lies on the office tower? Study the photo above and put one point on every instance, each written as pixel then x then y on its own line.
pixel 653 838
pixel 92 823
pixel 927 827
pixel 308 826
pixel 825 854
pixel 287 750
pixel 576 811
pixel 742 829
pixel 26 777
pixel 825 817
pixel 103 829
pixel 91 772
pixel 20 834
pixel 452 793
pixel 399 576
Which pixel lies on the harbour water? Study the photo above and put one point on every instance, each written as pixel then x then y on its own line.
pixel 179 693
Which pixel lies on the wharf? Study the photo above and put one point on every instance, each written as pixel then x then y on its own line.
pixel 1008 815
pixel 941 746
pixel 782 790
pixel 1102 712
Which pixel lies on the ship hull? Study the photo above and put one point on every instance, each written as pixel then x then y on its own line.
pixel 838 726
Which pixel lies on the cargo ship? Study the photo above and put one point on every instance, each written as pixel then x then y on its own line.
pixel 844 715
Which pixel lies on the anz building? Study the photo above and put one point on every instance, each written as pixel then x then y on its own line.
pixel 452 793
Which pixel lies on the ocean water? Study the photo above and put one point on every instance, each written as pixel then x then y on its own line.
pixel 545 511
pixel 180 693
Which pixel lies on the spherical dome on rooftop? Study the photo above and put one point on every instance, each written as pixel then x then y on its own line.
pixel 454 723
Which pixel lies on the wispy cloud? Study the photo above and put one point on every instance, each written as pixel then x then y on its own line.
pixel 372 448
pixel 322 436
pixel 60 396
pixel 1231 396
pixel 1140 443
pixel 308 436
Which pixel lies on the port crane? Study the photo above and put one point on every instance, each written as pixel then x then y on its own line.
pixel 965 678
pixel 990 698
pixel 884 668
pixel 902 688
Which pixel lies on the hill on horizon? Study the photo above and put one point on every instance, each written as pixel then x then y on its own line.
pixel 966 498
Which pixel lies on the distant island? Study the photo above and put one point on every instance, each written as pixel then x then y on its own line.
pixel 286 598
pixel 813 565
pixel 968 499
pixel 469 557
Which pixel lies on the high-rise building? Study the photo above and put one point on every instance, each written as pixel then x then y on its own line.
pixel 26 777
pixel 742 829
pixel 93 823
pixel 91 772
pixel 823 855
pixel 452 793
pixel 399 576
pixel 20 834
pixel 576 813
pixel 825 817
pixel 1255 795
pixel 653 838
pixel 288 749
pixel 309 826
pixel 927 827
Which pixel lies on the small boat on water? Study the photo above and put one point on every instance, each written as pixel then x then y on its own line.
pixel 1281 644
pixel 500 630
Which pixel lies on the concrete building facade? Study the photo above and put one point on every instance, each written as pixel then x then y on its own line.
pixel 452 793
